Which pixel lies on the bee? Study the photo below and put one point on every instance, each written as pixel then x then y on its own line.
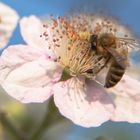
pixel 106 45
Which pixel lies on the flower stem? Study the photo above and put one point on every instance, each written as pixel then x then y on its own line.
pixel 43 127
pixel 50 118
pixel 9 126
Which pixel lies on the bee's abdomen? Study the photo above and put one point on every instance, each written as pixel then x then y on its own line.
pixel 114 74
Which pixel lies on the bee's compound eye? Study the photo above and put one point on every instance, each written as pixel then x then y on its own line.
pixel 93 46
pixel 93 40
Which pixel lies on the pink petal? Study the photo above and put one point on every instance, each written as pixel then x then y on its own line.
pixel 31 29
pixel 27 75
pixel 8 22
pixel 85 104
pixel 127 87
pixel 15 56
pixel 127 100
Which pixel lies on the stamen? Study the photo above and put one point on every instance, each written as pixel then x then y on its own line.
pixel 69 38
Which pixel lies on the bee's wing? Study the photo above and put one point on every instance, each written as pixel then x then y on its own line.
pixel 131 44
pixel 121 58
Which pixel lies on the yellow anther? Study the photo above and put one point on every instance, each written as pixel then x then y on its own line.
pixel 84 35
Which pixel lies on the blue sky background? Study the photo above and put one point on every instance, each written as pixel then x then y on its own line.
pixel 128 11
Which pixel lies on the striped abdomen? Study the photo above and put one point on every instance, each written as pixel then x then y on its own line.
pixel 114 74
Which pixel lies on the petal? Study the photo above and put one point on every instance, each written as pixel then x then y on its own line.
pixel 8 21
pixel 15 56
pixel 86 104
pixel 57 38
pixel 127 100
pixel 31 29
pixel 30 76
pixel 21 53
pixel 127 87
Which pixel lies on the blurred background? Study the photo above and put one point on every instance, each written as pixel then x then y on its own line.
pixel 30 117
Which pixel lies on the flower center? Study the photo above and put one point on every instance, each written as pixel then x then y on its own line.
pixel 72 49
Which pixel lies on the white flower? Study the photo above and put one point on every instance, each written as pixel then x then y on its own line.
pixel 59 65
pixel 8 22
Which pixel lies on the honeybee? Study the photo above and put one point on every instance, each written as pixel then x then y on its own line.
pixel 106 45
